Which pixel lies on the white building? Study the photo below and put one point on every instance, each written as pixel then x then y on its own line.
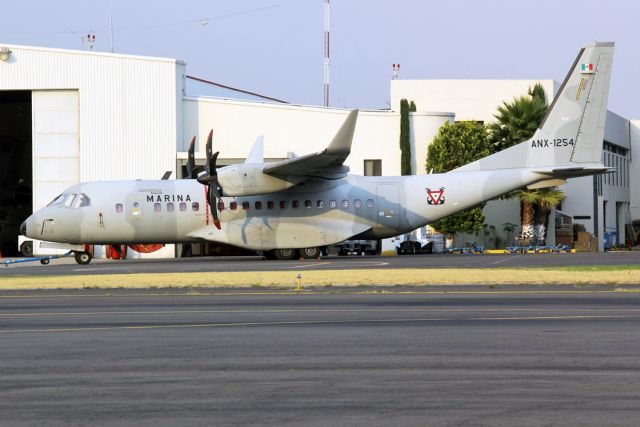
pixel 69 116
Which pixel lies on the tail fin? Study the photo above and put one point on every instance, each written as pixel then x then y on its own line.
pixel 256 155
pixel 569 140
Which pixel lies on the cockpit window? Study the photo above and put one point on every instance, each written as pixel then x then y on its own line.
pixel 81 201
pixel 69 200
pixel 59 198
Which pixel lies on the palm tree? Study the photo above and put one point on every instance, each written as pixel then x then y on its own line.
pixel 547 198
pixel 509 228
pixel 516 122
pixel 528 200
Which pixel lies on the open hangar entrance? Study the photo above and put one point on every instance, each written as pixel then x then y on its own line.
pixel 15 166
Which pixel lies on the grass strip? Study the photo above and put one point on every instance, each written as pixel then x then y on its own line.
pixel 390 277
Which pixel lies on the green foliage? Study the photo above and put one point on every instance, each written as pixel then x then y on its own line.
pixel 412 107
pixel 467 221
pixel 518 120
pixel 405 142
pixel 455 145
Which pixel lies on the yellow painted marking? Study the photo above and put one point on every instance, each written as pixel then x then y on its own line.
pixel 309 322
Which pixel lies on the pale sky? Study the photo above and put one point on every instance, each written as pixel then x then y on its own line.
pixel 275 47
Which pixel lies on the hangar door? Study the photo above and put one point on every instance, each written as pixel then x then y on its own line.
pixel 56 152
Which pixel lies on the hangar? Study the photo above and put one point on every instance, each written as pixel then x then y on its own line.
pixel 71 116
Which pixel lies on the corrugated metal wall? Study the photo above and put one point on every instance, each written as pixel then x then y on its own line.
pixel 128 106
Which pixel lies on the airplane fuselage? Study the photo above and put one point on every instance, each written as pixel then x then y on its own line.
pixel 318 213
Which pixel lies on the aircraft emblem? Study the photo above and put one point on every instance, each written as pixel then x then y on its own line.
pixel 435 197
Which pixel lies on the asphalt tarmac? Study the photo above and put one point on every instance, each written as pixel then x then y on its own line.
pixel 514 356
pixel 68 266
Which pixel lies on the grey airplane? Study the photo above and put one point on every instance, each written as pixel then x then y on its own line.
pixel 295 207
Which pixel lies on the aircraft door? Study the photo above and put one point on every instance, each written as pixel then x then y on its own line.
pixel 388 205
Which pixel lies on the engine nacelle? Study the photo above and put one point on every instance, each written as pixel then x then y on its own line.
pixel 249 180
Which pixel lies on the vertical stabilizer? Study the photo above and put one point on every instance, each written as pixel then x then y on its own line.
pixel 571 134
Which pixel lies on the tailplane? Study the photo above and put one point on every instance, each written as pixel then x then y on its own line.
pixel 568 142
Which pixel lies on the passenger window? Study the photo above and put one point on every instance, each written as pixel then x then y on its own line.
pixel 233 206
pixel 157 207
pixel 258 205
pixel 220 205
pixel 307 203
pixel 170 207
pixel 119 207
pixel 369 203
pixel 283 204
pixel 270 204
pixel 295 204
pixel 245 206
pixel 183 206
pixel 357 203
pixel 195 206
pixel 345 203
pixel 333 204
pixel 320 204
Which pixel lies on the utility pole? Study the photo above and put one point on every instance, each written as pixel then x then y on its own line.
pixel 111 23
pixel 326 52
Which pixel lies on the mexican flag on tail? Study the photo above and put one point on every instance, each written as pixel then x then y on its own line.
pixel 587 68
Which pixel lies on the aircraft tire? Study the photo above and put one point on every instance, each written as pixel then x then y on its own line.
pixel 83 258
pixel 285 254
pixel 26 249
pixel 44 261
pixel 310 253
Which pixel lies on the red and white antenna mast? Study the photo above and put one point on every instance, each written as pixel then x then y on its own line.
pixel 326 52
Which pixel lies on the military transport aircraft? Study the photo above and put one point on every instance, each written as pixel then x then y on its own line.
pixel 296 206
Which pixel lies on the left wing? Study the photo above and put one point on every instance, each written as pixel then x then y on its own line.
pixel 328 164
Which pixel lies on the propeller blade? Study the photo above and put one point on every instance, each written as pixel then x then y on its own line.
pixel 208 146
pixel 191 160
pixel 214 195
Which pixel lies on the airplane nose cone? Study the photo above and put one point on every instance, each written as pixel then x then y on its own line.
pixel 23 228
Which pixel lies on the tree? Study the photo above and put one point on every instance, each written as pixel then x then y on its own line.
pixel 412 107
pixel 455 145
pixel 518 120
pixel 405 138
pixel 547 198
pixel 528 200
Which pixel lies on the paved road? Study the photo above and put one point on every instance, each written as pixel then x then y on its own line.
pixel 339 359
pixel 205 264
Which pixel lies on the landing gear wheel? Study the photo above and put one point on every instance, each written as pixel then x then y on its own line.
pixel 83 258
pixel 44 261
pixel 285 254
pixel 310 253
pixel 27 249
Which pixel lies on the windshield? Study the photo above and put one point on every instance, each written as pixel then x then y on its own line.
pixel 58 199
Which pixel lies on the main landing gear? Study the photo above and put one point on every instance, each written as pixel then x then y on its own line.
pixel 289 254
pixel 83 258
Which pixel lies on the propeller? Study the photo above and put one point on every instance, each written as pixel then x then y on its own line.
pixel 191 160
pixel 210 179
